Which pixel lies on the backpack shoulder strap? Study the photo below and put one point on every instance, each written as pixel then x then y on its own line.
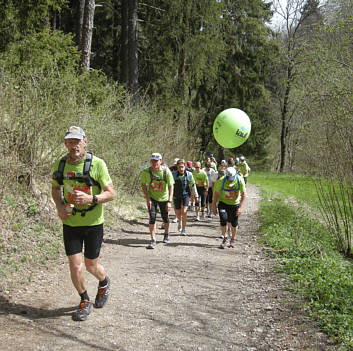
pixel 88 163
pixel 188 176
pixel 224 180
pixel 86 169
pixel 59 174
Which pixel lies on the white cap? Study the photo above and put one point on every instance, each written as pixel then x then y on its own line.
pixel 156 156
pixel 230 173
pixel 176 160
pixel 242 158
pixel 74 132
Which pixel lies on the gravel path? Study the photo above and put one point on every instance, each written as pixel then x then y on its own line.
pixel 186 295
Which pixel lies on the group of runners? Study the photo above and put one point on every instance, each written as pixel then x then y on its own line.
pixel 81 184
pixel 199 186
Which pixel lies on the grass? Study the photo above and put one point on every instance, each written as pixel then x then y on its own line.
pixel 299 186
pixel 308 253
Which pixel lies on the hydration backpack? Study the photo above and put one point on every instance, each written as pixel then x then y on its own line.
pixel 85 178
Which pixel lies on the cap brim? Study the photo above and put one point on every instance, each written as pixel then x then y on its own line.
pixel 155 158
pixel 74 136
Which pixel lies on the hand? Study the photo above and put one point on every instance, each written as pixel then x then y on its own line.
pixel 169 206
pixel 82 198
pixel 239 211
pixel 62 213
pixel 149 204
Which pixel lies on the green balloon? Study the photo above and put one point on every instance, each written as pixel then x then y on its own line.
pixel 231 128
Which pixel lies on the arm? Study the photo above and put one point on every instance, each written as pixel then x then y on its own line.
pixel 170 199
pixel 193 191
pixel 241 205
pixel 145 193
pixel 108 194
pixel 59 202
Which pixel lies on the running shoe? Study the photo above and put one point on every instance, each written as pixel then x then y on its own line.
pixel 102 295
pixel 232 243
pixel 203 215
pixel 84 309
pixel 224 243
pixel 197 219
pixel 166 238
pixel 179 227
pixel 221 236
pixel 175 220
pixel 183 232
pixel 152 244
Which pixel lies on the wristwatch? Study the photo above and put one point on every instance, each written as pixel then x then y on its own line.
pixel 94 199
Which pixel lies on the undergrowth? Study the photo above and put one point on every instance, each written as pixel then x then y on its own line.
pixel 309 256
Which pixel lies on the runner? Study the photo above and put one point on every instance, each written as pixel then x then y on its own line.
pixel 213 162
pixel 184 187
pixel 173 168
pixel 201 180
pixel 79 192
pixel 223 166
pixel 244 168
pixel 231 194
pixel 157 184
pixel 211 175
pixel 189 167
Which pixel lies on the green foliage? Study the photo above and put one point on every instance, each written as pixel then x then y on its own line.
pixel 307 253
pixel 19 18
pixel 49 52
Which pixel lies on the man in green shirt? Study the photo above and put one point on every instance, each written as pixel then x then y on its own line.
pixel 201 181
pixel 78 196
pixel 230 193
pixel 244 168
pixel 157 184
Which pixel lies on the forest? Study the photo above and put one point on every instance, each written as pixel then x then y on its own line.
pixel 153 75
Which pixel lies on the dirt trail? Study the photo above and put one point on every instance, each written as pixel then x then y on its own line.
pixel 186 295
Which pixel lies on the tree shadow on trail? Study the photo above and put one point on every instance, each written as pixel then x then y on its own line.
pixel 52 330
pixel 206 246
pixel 30 312
pixel 127 242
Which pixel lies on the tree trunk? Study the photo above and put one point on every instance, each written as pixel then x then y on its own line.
pixel 284 121
pixel 116 46
pixel 87 30
pixel 124 68
pixel 80 8
pixel 133 54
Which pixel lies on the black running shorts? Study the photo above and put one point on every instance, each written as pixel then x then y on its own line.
pixel 153 211
pixel 89 237
pixel 227 213
pixel 202 197
pixel 178 202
